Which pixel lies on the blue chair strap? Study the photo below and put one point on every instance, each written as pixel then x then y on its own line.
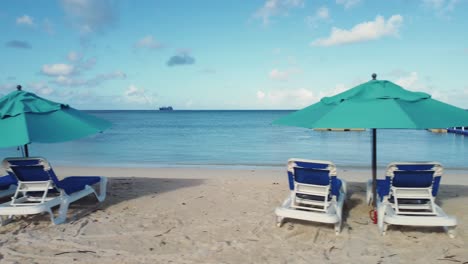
pixel 415 167
pixel 435 186
pixel 311 165
pixel 6 181
pixel 383 187
pixel 291 180
pixel 336 186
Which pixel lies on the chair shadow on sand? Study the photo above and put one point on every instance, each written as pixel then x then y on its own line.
pixel 125 188
pixel 119 189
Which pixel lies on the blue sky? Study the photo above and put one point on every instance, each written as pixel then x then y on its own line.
pixel 256 54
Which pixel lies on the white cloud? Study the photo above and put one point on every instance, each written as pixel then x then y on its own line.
pixel 412 82
pixel 7 88
pixel 293 61
pixel 137 95
pixel 134 91
pixel 348 3
pixel 208 71
pixel 48 27
pixel 442 8
pixel 260 95
pixel 322 14
pixel 436 4
pixel 441 5
pixel 25 20
pixel 76 66
pixel 86 64
pixel 278 51
pixel 148 42
pixel 92 82
pixel 91 16
pixel 189 103
pixel 66 81
pixel 339 88
pixel 41 88
pixel 74 56
pixel 287 98
pixel 273 8
pixel 84 99
pixel 57 69
pixel 409 82
pixel 365 31
pixel 278 75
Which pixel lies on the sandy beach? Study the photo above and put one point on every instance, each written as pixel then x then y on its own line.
pixel 199 215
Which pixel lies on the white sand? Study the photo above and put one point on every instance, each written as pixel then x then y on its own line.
pixel 224 216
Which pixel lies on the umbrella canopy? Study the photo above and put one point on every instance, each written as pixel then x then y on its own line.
pixel 377 104
pixel 26 118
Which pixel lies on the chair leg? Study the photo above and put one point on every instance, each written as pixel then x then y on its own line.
pixel 102 190
pixel 380 219
pixel 52 217
pixel 338 228
pixel 279 221
pixel 5 220
pixel 385 227
pixel 62 213
pixel 369 192
pixel 450 230
pixel 344 187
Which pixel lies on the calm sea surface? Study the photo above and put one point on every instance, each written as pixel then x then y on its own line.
pixel 240 138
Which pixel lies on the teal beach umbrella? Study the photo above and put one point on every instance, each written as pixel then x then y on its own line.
pixel 26 118
pixel 374 105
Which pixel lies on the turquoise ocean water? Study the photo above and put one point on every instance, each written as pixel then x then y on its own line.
pixel 240 138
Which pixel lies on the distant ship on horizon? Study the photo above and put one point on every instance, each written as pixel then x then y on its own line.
pixel 166 108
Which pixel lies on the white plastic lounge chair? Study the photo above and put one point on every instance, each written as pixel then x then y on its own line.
pixel 39 189
pixel 317 195
pixel 8 185
pixel 407 197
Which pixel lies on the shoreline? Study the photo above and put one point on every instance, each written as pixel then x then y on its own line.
pixel 229 166
pixel 347 173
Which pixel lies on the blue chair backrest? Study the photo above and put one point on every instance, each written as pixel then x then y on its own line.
pixel 291 177
pixel 417 175
pixel 316 174
pixel 413 179
pixel 312 176
pixel 30 169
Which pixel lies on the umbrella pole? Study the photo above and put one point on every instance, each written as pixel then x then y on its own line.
pixel 26 151
pixel 374 167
